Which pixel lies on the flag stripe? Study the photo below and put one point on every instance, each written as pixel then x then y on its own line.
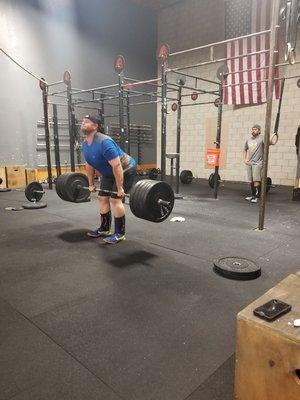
pixel 241 76
pixel 240 18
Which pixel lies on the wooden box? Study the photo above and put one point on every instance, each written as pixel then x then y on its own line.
pixel 16 176
pixel 3 177
pixel 268 353
pixel 31 175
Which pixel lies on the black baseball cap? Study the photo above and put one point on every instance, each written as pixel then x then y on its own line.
pixel 93 118
pixel 256 126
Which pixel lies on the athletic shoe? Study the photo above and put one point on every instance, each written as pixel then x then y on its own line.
pixel 98 233
pixel 249 198
pixel 254 200
pixel 115 238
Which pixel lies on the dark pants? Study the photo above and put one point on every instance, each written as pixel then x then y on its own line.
pixel 109 183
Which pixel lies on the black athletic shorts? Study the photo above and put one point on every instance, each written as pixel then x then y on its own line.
pixel 108 182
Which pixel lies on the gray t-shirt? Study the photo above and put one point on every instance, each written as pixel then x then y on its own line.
pixel 255 148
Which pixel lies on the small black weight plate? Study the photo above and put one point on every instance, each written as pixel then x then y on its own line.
pixel 237 268
pixel 31 191
pixel 217 102
pixel 153 174
pixel 222 72
pixel 269 184
pixel 33 206
pixel 186 176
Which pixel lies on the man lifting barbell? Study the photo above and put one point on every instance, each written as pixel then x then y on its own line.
pixel 117 170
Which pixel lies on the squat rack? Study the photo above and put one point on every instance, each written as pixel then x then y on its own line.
pixel 164 54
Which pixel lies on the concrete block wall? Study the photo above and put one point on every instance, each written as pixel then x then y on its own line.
pixel 193 23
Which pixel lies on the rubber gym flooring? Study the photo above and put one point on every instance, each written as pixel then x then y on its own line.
pixel 145 319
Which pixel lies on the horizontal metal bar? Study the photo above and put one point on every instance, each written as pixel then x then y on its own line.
pixel 57 93
pixel 193 76
pixel 201 91
pixel 94 89
pixel 145 102
pixel 197 104
pixel 151 94
pixel 149 81
pixel 93 101
pixel 55 83
pixel 213 93
pixel 219 60
pixel 86 107
pixel 58 104
pixel 219 43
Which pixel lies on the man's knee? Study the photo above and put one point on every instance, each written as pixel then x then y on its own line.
pixel 103 199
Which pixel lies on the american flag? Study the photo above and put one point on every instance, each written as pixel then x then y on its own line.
pixel 243 17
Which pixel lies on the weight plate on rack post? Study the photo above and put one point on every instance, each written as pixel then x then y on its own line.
pixel 222 72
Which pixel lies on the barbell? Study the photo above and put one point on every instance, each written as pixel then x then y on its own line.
pixel 33 191
pixel 148 199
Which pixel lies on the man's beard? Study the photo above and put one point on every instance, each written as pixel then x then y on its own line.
pixel 86 132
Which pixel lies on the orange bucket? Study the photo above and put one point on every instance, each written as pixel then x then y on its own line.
pixel 213 157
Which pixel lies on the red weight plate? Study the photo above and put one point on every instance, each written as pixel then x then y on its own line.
pixel 67 77
pixel 174 107
pixel 119 63
pixel 43 84
pixel 163 52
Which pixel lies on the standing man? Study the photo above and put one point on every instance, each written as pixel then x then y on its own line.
pixel 253 158
pixel 117 169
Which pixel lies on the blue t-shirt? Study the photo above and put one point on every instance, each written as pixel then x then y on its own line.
pixel 102 150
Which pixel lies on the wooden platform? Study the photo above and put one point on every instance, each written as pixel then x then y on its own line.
pixel 268 353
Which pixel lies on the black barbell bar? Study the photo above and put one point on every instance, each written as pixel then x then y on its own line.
pixel 159 201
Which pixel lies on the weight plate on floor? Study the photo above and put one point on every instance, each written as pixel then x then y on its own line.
pixel 186 176
pixel 211 180
pixel 31 191
pixel 237 268
pixel 33 206
pixel 269 184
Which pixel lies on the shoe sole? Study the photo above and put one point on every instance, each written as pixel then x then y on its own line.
pixel 120 240
pixel 90 235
